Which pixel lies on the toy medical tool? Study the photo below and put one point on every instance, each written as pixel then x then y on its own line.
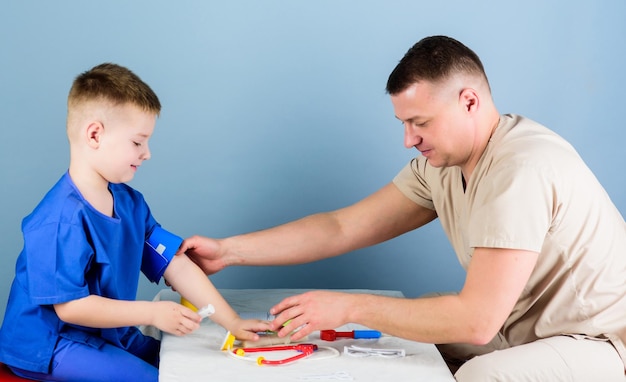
pixel 203 312
pixel 265 316
pixel 331 335
pixel 357 351
pixel 229 341
pixel 206 311
pixel 305 350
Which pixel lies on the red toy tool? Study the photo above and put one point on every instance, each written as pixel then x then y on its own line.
pixel 304 349
pixel 331 335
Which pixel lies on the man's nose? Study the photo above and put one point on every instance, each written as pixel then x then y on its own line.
pixel 411 138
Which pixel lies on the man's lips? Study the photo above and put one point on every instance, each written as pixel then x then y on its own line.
pixel 425 151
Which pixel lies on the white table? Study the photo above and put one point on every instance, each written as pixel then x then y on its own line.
pixel 197 356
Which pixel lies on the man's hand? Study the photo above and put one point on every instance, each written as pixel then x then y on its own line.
pixel 311 311
pixel 203 251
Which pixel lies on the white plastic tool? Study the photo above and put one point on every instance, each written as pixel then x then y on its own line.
pixel 357 351
pixel 206 311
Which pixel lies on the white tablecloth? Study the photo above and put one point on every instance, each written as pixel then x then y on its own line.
pixel 197 356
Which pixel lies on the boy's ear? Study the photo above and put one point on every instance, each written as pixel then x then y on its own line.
pixel 94 134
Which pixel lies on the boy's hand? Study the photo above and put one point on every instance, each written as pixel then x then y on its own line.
pixel 175 318
pixel 246 330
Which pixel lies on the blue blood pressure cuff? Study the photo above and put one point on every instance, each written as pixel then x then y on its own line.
pixel 158 251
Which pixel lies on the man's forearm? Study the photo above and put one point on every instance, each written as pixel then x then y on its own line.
pixel 441 319
pixel 305 240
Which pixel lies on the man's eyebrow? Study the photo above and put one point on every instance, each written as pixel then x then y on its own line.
pixel 411 119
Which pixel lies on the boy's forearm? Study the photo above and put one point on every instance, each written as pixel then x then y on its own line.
pixel 189 280
pixel 101 312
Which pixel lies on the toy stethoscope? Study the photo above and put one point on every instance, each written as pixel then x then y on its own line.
pixel 305 350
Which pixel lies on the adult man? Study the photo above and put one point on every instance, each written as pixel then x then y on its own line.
pixel 543 245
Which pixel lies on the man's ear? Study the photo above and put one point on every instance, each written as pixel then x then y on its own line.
pixel 469 99
pixel 94 134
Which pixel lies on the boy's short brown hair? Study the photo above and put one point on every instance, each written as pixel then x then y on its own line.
pixel 115 84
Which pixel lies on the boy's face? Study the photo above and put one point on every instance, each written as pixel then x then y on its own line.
pixel 124 142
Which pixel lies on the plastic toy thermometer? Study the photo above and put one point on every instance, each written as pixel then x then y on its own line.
pixel 331 335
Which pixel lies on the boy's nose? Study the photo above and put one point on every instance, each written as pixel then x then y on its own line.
pixel 146 154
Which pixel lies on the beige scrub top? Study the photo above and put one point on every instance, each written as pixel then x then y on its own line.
pixel 532 191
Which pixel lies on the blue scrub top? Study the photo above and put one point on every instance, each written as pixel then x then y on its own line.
pixel 72 251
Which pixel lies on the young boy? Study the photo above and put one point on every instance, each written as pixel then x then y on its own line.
pixel 71 314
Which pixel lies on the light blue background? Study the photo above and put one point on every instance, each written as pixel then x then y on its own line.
pixel 276 109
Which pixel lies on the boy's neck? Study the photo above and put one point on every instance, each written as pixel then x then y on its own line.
pixel 93 188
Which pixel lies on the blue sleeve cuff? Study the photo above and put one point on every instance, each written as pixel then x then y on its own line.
pixel 158 251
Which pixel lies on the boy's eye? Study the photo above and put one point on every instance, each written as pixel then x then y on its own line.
pixel 137 143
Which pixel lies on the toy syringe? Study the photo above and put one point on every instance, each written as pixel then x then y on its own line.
pixel 206 311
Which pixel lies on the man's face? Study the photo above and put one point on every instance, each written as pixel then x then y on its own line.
pixel 436 122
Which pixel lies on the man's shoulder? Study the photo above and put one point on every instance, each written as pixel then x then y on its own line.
pixel 523 139
pixel 516 127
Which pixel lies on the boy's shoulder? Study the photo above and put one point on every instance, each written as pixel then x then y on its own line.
pixel 64 203
pixel 59 204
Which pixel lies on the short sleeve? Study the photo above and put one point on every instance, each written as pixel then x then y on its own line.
pixel 513 208
pixel 57 258
pixel 411 181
